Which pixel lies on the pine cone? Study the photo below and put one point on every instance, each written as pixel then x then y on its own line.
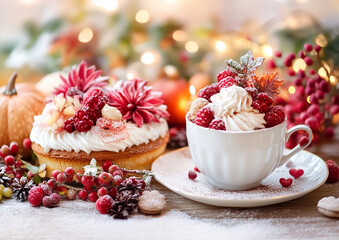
pixel 130 184
pixel 4 180
pixel 124 204
pixel 21 188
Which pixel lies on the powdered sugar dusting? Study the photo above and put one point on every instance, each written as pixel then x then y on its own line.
pixel 172 169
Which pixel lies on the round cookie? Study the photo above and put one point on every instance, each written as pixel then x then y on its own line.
pixel 151 202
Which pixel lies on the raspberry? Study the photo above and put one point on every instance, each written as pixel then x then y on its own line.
pixel 333 169
pixel 83 125
pixel 227 82
pixel 204 117
pixel 274 116
pixel 35 196
pixel 217 124
pixel 69 125
pixel 262 102
pixel 55 198
pixel 225 74
pixel 208 91
pixel 252 91
pixel 192 175
pixel 104 204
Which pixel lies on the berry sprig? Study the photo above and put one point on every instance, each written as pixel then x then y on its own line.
pixel 315 101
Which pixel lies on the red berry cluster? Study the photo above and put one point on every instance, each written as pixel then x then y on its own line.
pixel 43 194
pixel 87 115
pixel 315 101
pixel 9 154
pixel 333 169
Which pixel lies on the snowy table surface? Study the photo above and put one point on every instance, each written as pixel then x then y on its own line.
pixel 182 219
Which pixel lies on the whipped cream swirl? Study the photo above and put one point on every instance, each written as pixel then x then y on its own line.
pixel 233 105
pixel 90 141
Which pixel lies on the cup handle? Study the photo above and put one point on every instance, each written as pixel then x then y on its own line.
pixel 297 148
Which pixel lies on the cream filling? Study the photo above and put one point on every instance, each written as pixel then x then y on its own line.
pixel 90 141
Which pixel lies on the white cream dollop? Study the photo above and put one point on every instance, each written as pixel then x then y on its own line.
pixel 233 105
pixel 90 141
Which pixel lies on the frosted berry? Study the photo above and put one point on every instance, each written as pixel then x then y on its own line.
pixel 87 181
pixel 104 204
pixel 252 91
pixel 217 124
pixel 61 178
pixel 204 117
pixel 83 195
pixel 106 165
pixel 14 148
pixel 27 143
pixel 4 151
pixel 274 116
pixel 208 91
pixel 227 82
pixel 35 196
pixel 9 160
pixel 117 180
pixel 112 168
pixel 55 198
pixel 224 74
pixel 118 172
pixel 46 189
pixel 105 178
pixel 93 196
pixel 52 184
pixel 192 175
pixel 47 201
pixel 333 169
pixel 308 47
pixel 69 172
pixel 55 174
pixel 71 194
pixel 285 182
pixel 102 191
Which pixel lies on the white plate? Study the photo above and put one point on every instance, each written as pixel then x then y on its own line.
pixel 171 170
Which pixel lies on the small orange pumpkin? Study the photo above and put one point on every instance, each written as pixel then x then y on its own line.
pixel 18 106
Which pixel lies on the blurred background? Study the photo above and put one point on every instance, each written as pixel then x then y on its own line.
pixel 177 45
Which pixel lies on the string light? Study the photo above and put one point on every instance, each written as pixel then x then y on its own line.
pixel 192 90
pixel 333 79
pixel 108 5
pixel 148 58
pixel 308 99
pixel 220 46
pixel 299 64
pixel 142 16
pixel 191 47
pixel 85 35
pixel 321 40
pixel 180 36
pixel 267 50
pixel 130 76
pixel 291 89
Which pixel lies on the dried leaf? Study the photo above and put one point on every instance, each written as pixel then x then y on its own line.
pixel 268 83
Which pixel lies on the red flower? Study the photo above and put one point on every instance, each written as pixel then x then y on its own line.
pixel 137 102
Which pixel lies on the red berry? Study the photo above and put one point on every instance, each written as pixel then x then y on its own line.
pixel 71 194
pixel 118 172
pixel 296 173
pixel 217 124
pixel 27 143
pixel 308 47
pixel 113 192
pixel 319 116
pixel 14 148
pixel 324 86
pixel 317 48
pixel 9 160
pixel 204 117
pixel 335 100
pixel 308 61
pixel 302 54
pixel 93 196
pixel 52 184
pixel 303 141
pixel 313 109
pixel 4 151
pixel 106 165
pixel 18 174
pixel 291 56
pixel 47 190
pixel 69 172
pixel 314 99
pixel 334 109
pixel 102 191
pixel 277 54
pixel 312 71
pixel 329 132
pixel 227 82
pixel 112 168
pixel 55 198
pixel 298 81
pixel 271 64
pixel 303 116
pixel 285 182
pixel 61 190
pixel 333 169
pixel 61 178
pixel 83 195
pixel 47 201
pixel 301 73
pixel 196 169
pixel 320 94
pixel 252 91
pixel 18 164
pixel 262 102
pixel 30 175
pixel 55 174
pixel 288 62
pixel 291 72
pixel 35 196
pixel 117 180
pixel 104 204
pixel 274 116
pixel 225 74
pixel 105 178
pixel 312 123
pixel 192 175
pixel 208 91
pixel 87 181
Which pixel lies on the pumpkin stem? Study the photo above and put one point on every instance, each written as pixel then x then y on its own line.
pixel 10 89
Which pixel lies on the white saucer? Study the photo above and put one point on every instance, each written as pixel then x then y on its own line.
pixel 171 170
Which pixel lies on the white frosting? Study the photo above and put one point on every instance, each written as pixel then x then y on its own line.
pixel 233 105
pixel 90 141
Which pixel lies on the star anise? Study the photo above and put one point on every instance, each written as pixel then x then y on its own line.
pixel 4 180
pixel 21 188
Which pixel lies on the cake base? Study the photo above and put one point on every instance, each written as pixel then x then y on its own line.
pixel 138 157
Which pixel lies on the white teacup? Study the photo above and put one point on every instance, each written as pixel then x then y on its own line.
pixel 240 160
